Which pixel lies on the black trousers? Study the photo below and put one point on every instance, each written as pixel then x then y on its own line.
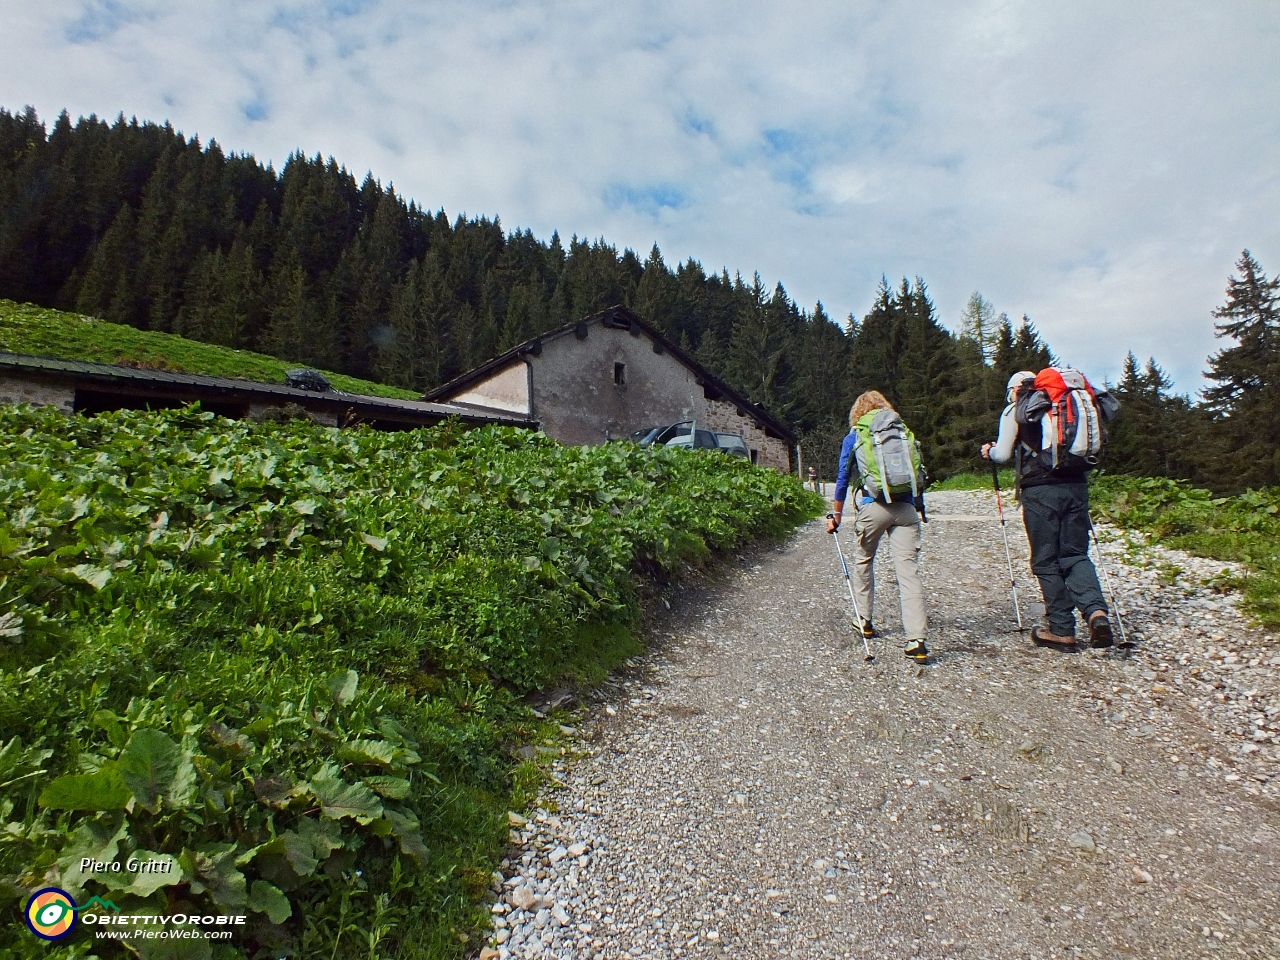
pixel 1057 520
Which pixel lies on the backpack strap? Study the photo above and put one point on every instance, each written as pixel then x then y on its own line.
pixel 884 479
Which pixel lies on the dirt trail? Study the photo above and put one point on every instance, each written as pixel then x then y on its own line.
pixel 758 791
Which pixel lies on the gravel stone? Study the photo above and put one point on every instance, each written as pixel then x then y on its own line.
pixel 1082 841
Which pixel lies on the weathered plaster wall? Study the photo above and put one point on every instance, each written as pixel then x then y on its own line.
pixel 15 388
pixel 508 389
pixel 576 398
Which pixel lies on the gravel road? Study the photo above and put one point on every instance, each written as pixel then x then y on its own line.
pixel 752 788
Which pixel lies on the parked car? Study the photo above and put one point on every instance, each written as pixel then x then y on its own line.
pixel 733 444
pixel 697 439
pixel 682 434
pixel 659 436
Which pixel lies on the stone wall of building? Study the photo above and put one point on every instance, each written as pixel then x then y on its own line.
pixel 16 388
pixel 614 382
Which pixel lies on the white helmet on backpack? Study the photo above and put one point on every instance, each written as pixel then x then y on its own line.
pixel 1017 380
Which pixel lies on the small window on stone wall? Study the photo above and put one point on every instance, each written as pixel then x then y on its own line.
pixel 620 374
pixel 755 455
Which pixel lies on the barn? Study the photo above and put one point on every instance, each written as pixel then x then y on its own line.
pixel 610 375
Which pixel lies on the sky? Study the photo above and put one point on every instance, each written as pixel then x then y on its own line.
pixel 1098 166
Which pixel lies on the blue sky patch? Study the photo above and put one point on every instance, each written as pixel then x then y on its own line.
pixel 100 20
pixel 649 199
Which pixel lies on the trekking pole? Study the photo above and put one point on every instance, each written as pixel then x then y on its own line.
pixel 1013 584
pixel 844 568
pixel 1106 578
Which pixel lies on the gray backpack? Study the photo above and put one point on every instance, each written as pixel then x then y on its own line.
pixel 887 456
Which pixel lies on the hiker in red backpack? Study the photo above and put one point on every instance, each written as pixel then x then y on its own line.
pixel 1054 427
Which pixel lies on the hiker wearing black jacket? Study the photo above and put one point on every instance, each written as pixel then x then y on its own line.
pixel 1055 509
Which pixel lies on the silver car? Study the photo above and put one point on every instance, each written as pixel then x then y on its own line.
pixel 733 443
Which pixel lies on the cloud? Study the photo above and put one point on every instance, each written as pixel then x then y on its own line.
pixel 1096 165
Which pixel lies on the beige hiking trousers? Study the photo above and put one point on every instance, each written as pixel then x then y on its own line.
pixel 901 522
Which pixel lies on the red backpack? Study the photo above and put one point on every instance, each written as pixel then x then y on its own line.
pixel 1072 417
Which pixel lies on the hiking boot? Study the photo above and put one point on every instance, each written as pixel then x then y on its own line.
pixel 916 650
pixel 1099 630
pixel 1044 637
pixel 868 629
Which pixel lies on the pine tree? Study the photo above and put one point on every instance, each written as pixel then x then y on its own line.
pixel 980 324
pixel 109 286
pixel 1246 400
pixel 657 295
pixel 757 346
pixel 1020 350
pixel 297 326
pixel 819 397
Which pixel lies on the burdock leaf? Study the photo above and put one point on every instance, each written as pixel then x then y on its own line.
pixel 393 788
pixel 409 832
pixel 96 577
pixel 343 687
pixel 147 879
pixel 340 799
pixel 95 840
pixel 230 740
pixel 325 836
pixel 149 764
pixel 264 898
pixel 378 543
pixel 10 626
pixel 289 846
pixel 275 791
pixel 374 752
pixel 212 869
pixel 104 790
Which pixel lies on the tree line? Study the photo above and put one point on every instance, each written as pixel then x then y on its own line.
pixel 135 223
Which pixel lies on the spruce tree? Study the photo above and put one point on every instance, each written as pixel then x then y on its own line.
pixel 1246 400
pixel 109 288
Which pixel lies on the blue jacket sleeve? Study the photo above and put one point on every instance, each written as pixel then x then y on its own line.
pixel 847 462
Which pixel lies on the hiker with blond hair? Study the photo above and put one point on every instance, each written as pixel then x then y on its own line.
pixel 883 457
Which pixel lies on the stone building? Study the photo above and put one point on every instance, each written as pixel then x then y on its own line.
pixel 610 375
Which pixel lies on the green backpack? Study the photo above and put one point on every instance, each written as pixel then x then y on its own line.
pixel 888 457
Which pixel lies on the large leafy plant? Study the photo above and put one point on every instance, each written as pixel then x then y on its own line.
pixel 286 661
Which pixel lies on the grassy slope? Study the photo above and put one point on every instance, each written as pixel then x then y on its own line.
pixel 25 328
pixel 1244 529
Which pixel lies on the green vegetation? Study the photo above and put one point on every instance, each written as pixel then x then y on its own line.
pixel 288 660
pixel 1243 528
pixel 25 328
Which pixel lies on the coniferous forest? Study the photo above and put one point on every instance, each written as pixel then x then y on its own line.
pixel 137 224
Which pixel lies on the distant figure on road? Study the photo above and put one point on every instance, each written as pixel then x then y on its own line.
pixel 1053 424
pixel 882 455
